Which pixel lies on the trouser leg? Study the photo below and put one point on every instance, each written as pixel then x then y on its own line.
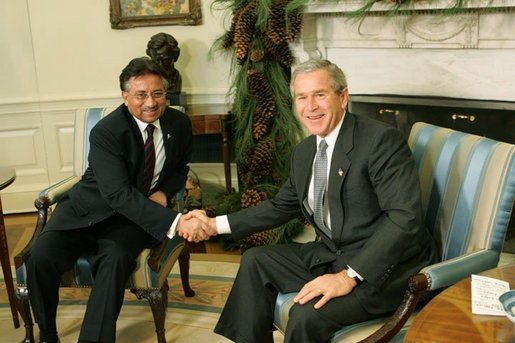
pixel 52 254
pixel 119 245
pixel 248 313
pixel 307 324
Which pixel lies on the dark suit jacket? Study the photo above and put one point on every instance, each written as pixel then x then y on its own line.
pixel 374 202
pixel 110 184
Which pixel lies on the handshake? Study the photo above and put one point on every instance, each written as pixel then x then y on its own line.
pixel 196 226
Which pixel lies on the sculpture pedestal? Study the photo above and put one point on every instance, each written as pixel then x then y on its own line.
pixel 176 99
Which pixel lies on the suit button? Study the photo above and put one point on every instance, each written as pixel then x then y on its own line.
pixel 338 252
pixel 317 260
pixel 90 223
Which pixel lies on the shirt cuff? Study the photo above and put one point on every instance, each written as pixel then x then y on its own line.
pixel 171 232
pixel 352 273
pixel 222 225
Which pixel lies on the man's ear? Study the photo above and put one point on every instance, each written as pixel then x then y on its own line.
pixel 125 97
pixel 344 97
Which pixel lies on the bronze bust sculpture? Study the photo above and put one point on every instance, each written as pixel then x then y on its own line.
pixel 164 49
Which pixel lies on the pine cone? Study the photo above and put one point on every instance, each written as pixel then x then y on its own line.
pixel 260 127
pixel 244 30
pixel 262 158
pixel 257 55
pixel 276 23
pixel 280 51
pixel 251 198
pixel 258 239
pixel 294 25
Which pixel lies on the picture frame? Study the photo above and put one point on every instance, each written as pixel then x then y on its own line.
pixel 126 14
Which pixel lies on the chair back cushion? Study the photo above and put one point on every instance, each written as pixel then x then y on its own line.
pixel 468 186
pixel 85 120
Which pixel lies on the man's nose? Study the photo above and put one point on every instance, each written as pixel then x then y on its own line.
pixel 312 103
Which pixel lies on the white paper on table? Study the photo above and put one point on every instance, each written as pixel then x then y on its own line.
pixel 485 295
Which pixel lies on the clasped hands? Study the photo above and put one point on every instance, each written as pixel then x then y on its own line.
pixel 196 226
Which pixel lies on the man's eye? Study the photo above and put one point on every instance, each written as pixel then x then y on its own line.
pixel 158 95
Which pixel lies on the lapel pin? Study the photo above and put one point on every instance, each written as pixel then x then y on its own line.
pixel 340 172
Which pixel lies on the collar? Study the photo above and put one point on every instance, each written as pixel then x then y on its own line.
pixel 142 125
pixel 331 138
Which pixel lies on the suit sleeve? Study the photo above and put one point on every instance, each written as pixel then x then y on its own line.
pixel 394 178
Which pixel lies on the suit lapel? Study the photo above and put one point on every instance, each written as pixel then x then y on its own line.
pixel 340 164
pixel 306 158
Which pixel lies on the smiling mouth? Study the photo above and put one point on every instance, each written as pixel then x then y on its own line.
pixel 315 116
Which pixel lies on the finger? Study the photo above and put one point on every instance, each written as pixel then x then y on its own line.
pixel 322 301
pixel 187 215
pixel 310 295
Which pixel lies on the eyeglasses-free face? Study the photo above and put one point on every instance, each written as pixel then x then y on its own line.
pixel 145 97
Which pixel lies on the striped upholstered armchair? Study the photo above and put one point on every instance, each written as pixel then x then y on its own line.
pixel 148 281
pixel 468 189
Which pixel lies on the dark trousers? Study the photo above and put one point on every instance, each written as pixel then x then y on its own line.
pixel 249 311
pixel 112 247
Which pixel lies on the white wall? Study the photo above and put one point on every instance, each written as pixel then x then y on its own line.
pixel 56 50
pixel 60 55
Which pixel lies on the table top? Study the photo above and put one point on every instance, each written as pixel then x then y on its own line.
pixel 448 317
pixel 7 176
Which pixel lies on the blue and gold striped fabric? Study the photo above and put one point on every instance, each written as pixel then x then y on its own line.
pixel 468 186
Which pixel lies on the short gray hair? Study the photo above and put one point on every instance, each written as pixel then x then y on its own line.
pixel 336 75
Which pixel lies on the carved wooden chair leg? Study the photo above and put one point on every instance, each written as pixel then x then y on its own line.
pixel 22 303
pixel 184 267
pixel 158 300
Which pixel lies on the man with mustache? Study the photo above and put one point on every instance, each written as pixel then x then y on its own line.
pixel 138 159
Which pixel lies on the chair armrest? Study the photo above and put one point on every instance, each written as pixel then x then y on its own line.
pixel 46 198
pixel 449 272
pixel 165 254
pixel 430 278
pixel 52 194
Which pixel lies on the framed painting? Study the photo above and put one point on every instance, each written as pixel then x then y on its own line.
pixel 125 14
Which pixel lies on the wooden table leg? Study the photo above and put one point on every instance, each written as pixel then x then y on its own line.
pixel 226 136
pixel 6 269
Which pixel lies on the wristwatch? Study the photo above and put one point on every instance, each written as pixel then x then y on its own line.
pixel 352 274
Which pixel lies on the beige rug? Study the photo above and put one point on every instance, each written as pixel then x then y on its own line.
pixel 188 320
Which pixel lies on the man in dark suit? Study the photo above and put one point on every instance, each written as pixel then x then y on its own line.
pixel 119 207
pixel 368 222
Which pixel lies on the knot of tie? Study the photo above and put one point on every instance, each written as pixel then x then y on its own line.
pixel 150 130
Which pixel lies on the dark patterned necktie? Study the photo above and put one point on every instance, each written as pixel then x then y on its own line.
pixel 150 160
pixel 320 184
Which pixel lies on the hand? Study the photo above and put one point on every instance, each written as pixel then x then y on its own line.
pixel 192 229
pixel 159 197
pixel 328 286
pixel 201 215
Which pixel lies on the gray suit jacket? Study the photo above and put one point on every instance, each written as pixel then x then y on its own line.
pixel 374 202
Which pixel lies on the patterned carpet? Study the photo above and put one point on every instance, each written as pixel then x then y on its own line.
pixel 188 319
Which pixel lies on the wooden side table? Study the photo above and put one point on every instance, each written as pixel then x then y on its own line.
pixel 214 119
pixel 7 176
pixel 448 317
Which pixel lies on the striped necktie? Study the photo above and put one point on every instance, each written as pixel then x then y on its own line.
pixel 150 160
pixel 320 185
